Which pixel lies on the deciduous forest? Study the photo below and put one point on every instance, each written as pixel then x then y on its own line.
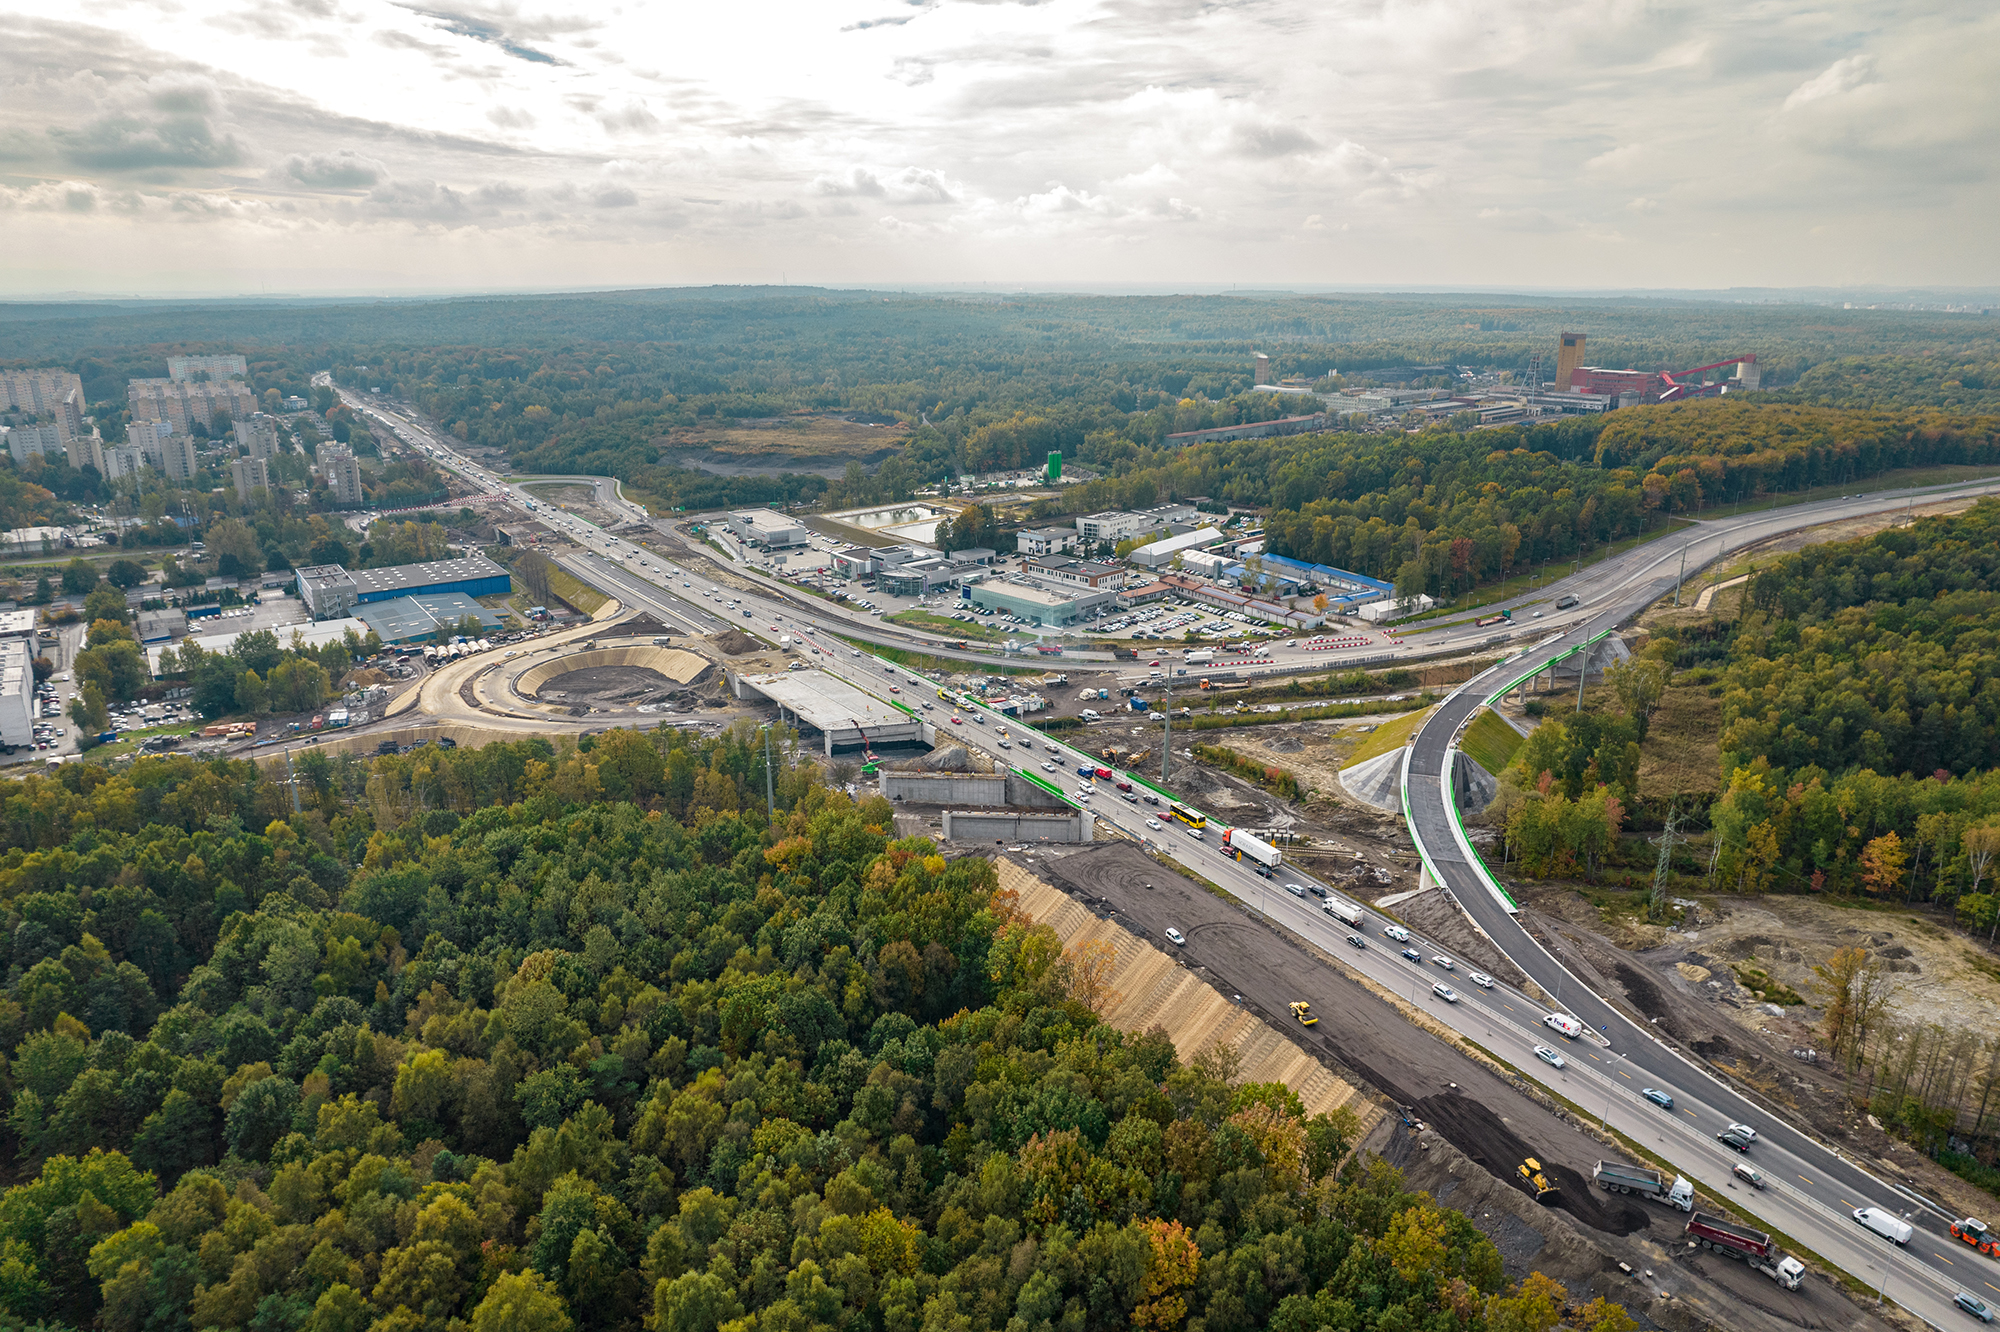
pixel 527 1039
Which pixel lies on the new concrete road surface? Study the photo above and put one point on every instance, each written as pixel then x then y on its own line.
pixel 1934 1264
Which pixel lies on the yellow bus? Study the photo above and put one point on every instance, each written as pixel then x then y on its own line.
pixel 1193 818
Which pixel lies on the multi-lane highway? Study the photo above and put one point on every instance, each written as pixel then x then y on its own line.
pixel 1935 1263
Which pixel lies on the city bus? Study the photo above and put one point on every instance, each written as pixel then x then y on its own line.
pixel 1193 818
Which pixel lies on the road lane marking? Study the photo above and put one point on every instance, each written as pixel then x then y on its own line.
pixel 1990 1286
pixel 1689 1113
pixel 1948 1262
pixel 1623 1074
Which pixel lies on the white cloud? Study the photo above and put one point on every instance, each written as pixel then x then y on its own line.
pixel 1450 142
pixel 1846 75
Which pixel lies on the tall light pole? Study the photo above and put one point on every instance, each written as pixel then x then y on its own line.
pixel 1605 1123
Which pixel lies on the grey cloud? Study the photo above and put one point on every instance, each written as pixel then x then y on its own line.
pixel 1267 141
pixel 507 117
pixel 631 118
pixel 130 143
pixel 338 171
pixel 616 196
pixel 483 30
pixel 855 183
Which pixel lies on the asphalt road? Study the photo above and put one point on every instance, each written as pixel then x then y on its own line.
pixel 1936 1264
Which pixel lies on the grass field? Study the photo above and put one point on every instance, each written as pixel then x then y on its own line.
pixel 1490 742
pixel 575 592
pixel 790 436
pixel 1386 737
pixel 944 624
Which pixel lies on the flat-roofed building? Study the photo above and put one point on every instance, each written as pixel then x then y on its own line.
pixel 189 402
pixel 1154 554
pixel 1046 540
pixel 1078 573
pixel 768 528
pixel 249 474
pixel 1048 607
pixel 328 591
pixel 258 433
pixel 212 367
pixel 342 474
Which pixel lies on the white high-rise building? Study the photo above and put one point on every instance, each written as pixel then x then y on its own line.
pixel 41 437
pixel 342 473
pixel 53 393
pixel 177 460
pixel 259 433
pixel 215 367
pixel 119 460
pixel 187 402
pixel 249 474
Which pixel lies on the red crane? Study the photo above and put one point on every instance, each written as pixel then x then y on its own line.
pixel 1675 389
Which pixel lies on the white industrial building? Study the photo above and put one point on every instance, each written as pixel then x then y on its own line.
pixel 767 527
pixel 1160 552
pixel 1395 608
pixel 17 693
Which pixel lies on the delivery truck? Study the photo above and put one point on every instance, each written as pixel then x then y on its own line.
pixel 1201 658
pixel 1251 848
pixel 1645 1182
pixel 1720 1235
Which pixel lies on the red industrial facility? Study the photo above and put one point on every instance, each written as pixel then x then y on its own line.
pixel 1641 386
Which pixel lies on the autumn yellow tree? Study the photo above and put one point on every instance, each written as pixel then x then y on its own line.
pixel 1090 964
pixel 1415 1242
pixel 1172 1263
pixel 1882 862
pixel 1535 1306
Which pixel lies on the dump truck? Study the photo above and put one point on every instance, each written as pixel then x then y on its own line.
pixel 1721 1235
pixel 1251 848
pixel 1538 1182
pixel 1647 1183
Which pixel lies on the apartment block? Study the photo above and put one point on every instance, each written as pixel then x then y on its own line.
pixel 258 433
pixel 52 393
pixel 342 474
pixel 185 368
pixel 177 457
pixel 186 403
pixel 249 474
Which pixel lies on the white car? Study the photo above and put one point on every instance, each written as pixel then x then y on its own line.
pixel 1048 767
pixel 1154 824
pixel 1446 993
pixel 1176 935
pixel 1743 1131
pixel 1441 960
pixel 1550 1057
pixel 1481 979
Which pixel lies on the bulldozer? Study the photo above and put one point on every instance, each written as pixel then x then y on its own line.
pixel 1109 754
pixel 1974 1232
pixel 1538 1183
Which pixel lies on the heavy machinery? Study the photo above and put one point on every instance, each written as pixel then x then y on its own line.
pixel 1303 1012
pixel 1647 1183
pixel 1720 1235
pixel 870 764
pixel 1974 1232
pixel 1539 1184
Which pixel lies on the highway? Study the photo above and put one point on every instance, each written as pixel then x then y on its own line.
pixel 1936 1264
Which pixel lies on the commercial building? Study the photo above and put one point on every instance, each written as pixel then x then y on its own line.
pixel 184 368
pixel 1258 608
pixel 1139 596
pixel 189 402
pixel 855 562
pixel 768 528
pixel 328 590
pixel 17 693
pixel 916 578
pixel 417 618
pixel 1158 553
pixel 249 474
pixel 342 474
pixel 1047 607
pixel 1395 608
pixel 1046 540
pixel 1206 563
pixel 1075 572
pixel 1109 525
pixel 258 433
pixel 162 626
pixel 17 624
pixel 34 540
pixel 310 635
pixel 1345 589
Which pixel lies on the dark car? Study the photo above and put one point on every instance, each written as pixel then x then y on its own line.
pixel 1414 956
pixel 1658 1097
pixel 1733 1141
pixel 1356 941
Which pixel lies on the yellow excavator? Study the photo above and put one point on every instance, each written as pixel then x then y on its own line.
pixel 1538 1183
pixel 1304 1013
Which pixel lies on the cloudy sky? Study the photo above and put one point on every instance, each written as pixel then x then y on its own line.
pixel 358 145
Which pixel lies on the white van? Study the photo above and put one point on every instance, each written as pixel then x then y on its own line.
pixel 1563 1023
pixel 1396 932
pixel 1886 1224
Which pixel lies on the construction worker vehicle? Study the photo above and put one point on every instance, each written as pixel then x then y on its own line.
pixel 1303 1012
pixel 1974 1232
pixel 1538 1182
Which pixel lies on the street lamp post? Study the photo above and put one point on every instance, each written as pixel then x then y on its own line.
pixel 1605 1123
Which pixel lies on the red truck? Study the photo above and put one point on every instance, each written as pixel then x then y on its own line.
pixel 1722 1236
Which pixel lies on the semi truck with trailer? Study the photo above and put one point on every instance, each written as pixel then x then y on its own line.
pixel 1251 848
pixel 1645 1182
pixel 1343 911
pixel 1720 1235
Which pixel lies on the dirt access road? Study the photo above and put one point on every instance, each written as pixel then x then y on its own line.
pixel 1485 1116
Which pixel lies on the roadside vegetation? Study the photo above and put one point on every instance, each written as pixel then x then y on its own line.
pixel 1276 780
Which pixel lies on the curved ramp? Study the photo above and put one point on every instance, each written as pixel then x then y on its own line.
pixel 683 668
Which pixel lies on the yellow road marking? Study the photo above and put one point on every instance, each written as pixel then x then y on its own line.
pixel 1625 1075
pixel 1947 1260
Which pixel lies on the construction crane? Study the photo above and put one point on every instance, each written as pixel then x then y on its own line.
pixel 870 765
pixel 1676 390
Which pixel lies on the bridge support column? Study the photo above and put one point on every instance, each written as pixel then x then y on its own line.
pixel 1424 880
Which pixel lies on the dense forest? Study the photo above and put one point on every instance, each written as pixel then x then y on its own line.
pixel 531 1039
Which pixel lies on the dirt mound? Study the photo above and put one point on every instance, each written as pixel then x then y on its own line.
pixel 1478 1132
pixel 735 642
pixel 1288 745
pixel 1639 988
pixel 945 758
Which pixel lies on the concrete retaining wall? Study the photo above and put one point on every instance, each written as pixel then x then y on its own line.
pixel 997 789
pixel 996 826
pixel 678 666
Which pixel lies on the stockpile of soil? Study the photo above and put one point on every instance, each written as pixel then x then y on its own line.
pixel 1478 1132
pixel 735 642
